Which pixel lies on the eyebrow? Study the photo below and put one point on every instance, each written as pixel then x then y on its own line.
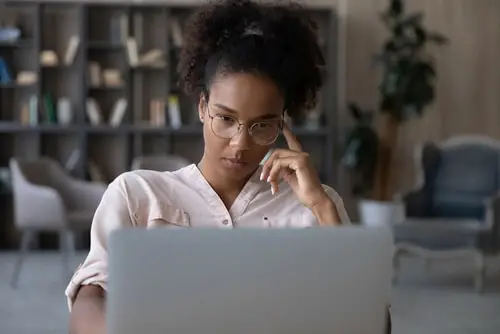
pixel 232 111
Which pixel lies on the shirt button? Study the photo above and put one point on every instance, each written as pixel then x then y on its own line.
pixel 225 222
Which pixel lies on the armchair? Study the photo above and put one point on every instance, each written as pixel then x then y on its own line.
pixel 46 198
pixel 455 210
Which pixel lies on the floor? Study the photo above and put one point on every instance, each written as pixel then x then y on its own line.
pixel 440 301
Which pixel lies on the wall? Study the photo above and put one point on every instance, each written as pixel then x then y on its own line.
pixel 468 99
pixel 468 76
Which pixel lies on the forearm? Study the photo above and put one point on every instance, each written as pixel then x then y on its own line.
pixel 88 312
pixel 326 213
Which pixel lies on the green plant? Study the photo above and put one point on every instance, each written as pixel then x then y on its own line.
pixel 405 90
pixel 361 150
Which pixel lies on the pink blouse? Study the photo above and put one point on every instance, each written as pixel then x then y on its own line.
pixel 184 198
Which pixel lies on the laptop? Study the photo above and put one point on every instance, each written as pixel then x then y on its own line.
pixel 249 281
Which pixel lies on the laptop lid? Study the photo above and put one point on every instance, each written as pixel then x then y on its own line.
pixel 248 281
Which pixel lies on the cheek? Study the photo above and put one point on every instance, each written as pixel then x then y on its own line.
pixel 259 152
pixel 213 144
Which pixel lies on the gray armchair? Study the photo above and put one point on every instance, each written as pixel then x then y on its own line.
pixel 46 198
pixel 160 163
pixel 455 211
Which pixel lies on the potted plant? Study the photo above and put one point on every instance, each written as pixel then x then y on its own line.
pixel 405 90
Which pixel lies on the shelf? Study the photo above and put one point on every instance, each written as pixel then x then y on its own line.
pixel 150 69
pixel 107 129
pixel 146 129
pixel 102 29
pixel 17 86
pixel 12 127
pixel 24 43
pixel 302 131
pixel 105 46
pixel 187 130
pixel 54 128
pixel 106 88
pixel 56 67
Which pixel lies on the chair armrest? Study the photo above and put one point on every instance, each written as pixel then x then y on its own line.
pixel 86 195
pixel 492 217
pixel 38 207
pixel 416 203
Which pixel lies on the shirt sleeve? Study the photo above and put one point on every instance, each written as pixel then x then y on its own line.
pixel 112 213
pixel 339 205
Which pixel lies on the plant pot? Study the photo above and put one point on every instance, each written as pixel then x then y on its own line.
pixel 381 214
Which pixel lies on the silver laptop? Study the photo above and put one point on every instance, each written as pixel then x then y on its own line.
pixel 249 281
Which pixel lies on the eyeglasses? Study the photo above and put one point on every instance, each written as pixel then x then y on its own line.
pixel 262 133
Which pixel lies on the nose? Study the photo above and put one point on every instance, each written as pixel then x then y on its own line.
pixel 241 140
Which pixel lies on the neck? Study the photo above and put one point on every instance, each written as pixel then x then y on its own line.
pixel 227 189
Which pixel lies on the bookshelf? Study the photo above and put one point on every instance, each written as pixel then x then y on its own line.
pixel 104 34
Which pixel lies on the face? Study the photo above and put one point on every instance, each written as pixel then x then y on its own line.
pixel 246 102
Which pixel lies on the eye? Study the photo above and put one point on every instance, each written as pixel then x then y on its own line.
pixel 263 126
pixel 225 119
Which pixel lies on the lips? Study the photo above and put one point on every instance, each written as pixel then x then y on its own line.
pixel 235 162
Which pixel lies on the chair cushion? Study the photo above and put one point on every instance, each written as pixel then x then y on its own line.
pixel 439 234
pixel 466 176
pixel 80 219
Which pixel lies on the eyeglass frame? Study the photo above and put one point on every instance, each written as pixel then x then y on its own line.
pixel 240 125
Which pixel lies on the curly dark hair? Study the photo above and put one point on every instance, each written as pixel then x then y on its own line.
pixel 278 41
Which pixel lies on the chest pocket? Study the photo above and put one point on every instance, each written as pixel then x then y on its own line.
pixel 165 215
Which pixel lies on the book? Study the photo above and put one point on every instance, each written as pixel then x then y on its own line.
pixel 132 52
pixel 176 32
pixel 153 58
pixel 72 161
pixel 33 110
pixel 25 113
pixel 93 111
pixel 95 76
pixel 50 110
pixel 157 113
pixel 118 112
pixel 5 76
pixel 70 54
pixel 174 112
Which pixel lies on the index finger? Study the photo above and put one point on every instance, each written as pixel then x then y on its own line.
pixel 291 140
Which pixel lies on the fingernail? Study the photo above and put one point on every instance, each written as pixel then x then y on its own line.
pixel 272 191
pixel 262 176
pixel 269 179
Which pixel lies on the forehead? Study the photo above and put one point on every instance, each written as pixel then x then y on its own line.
pixel 249 95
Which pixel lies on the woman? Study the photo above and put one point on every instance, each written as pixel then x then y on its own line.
pixel 248 65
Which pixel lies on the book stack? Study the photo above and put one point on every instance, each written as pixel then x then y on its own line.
pixel 95 114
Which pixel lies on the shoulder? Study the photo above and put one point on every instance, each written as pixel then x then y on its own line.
pixel 141 188
pixel 138 179
pixel 150 193
pixel 147 180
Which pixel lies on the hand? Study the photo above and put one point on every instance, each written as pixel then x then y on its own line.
pixel 293 166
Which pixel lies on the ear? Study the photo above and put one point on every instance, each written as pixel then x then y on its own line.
pixel 202 104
